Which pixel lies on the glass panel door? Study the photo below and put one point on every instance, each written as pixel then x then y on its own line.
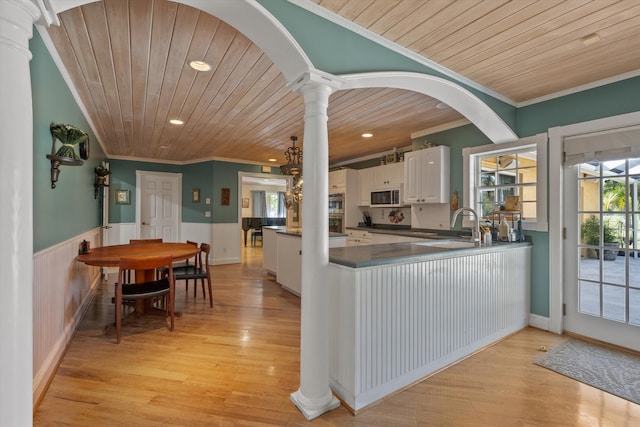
pixel 608 267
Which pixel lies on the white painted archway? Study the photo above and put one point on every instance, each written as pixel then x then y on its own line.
pixel 251 19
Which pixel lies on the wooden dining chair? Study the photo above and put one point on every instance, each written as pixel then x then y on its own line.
pixel 200 270
pixel 128 292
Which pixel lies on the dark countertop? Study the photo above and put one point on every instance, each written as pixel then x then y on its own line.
pixel 298 231
pixel 394 253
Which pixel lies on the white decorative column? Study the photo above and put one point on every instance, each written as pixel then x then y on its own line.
pixel 314 397
pixel 16 213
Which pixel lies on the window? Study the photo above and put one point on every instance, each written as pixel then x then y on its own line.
pixel 272 204
pixel 493 172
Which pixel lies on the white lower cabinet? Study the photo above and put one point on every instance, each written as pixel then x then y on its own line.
pixel 358 238
pixel 290 262
pixel 270 250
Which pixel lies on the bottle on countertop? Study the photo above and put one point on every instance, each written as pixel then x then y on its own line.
pixel 487 237
pixel 503 230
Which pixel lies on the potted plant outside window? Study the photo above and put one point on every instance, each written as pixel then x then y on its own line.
pixel 590 234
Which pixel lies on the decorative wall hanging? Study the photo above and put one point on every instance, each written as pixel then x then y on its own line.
pixel 102 178
pixel 73 151
pixel 226 197
pixel 121 197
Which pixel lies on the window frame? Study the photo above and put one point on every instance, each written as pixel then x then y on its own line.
pixel 470 187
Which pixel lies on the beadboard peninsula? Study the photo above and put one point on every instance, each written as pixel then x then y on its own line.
pixel 400 312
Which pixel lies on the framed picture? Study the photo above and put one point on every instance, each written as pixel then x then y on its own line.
pixel 226 197
pixel 245 202
pixel 121 197
pixel 195 195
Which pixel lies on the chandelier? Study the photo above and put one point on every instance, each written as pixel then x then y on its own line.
pixel 293 168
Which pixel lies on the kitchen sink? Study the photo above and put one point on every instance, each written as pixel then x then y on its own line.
pixel 447 244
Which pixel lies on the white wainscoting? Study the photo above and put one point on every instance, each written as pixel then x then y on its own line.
pixel 227 244
pixel 392 325
pixel 121 233
pixel 62 289
pixel 223 238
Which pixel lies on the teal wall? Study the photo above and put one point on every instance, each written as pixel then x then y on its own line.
pixel 197 175
pixel 69 209
pixel 336 50
pixel 613 99
pixel 210 177
pixel 123 177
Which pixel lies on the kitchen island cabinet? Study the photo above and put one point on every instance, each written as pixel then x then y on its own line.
pixel 400 312
pixel 282 254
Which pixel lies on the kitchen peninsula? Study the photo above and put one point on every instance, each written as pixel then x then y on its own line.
pixel 281 254
pixel 402 311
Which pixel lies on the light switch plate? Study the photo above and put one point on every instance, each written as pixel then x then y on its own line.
pixel 207 214
pixel 207 201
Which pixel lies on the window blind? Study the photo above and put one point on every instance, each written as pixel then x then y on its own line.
pixel 602 146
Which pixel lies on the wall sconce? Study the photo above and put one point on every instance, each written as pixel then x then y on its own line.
pixel 70 137
pixel 102 178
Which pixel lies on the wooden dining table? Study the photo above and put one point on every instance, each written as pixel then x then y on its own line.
pixel 109 256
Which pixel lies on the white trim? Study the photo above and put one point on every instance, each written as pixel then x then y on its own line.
pixel 394 47
pixel 469 174
pixel 177 178
pixel 439 128
pixel 539 322
pixel 404 149
pixel 452 94
pixel 556 202
pixel 581 88
pixel 256 23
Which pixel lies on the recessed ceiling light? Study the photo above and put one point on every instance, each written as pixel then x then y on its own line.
pixel 273 160
pixel 367 135
pixel 441 106
pixel 590 39
pixel 176 122
pixel 164 146
pixel 199 65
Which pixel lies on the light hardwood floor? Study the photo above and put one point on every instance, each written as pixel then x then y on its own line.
pixel 236 364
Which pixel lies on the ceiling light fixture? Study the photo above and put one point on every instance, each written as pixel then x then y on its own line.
pixel 441 106
pixel 367 135
pixel 273 160
pixel 199 65
pixel 176 122
pixel 293 168
pixel 590 39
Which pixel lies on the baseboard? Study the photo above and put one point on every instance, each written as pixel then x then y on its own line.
pixel 230 260
pixel 539 322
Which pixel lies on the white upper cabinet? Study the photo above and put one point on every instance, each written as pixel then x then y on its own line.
pixel 364 185
pixel 337 181
pixel 387 176
pixel 426 175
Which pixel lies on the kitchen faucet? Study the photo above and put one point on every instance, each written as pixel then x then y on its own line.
pixel 475 232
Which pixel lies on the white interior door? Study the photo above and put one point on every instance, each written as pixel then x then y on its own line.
pixel 158 205
pixel 602 279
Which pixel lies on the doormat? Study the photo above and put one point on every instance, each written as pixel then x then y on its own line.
pixel 610 370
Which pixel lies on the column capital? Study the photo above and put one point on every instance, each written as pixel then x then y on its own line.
pixel 314 79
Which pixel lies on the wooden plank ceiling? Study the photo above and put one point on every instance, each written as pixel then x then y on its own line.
pixel 128 60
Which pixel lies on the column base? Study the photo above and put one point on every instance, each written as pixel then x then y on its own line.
pixel 309 410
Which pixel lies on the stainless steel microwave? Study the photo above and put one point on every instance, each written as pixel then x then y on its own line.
pixel 387 197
